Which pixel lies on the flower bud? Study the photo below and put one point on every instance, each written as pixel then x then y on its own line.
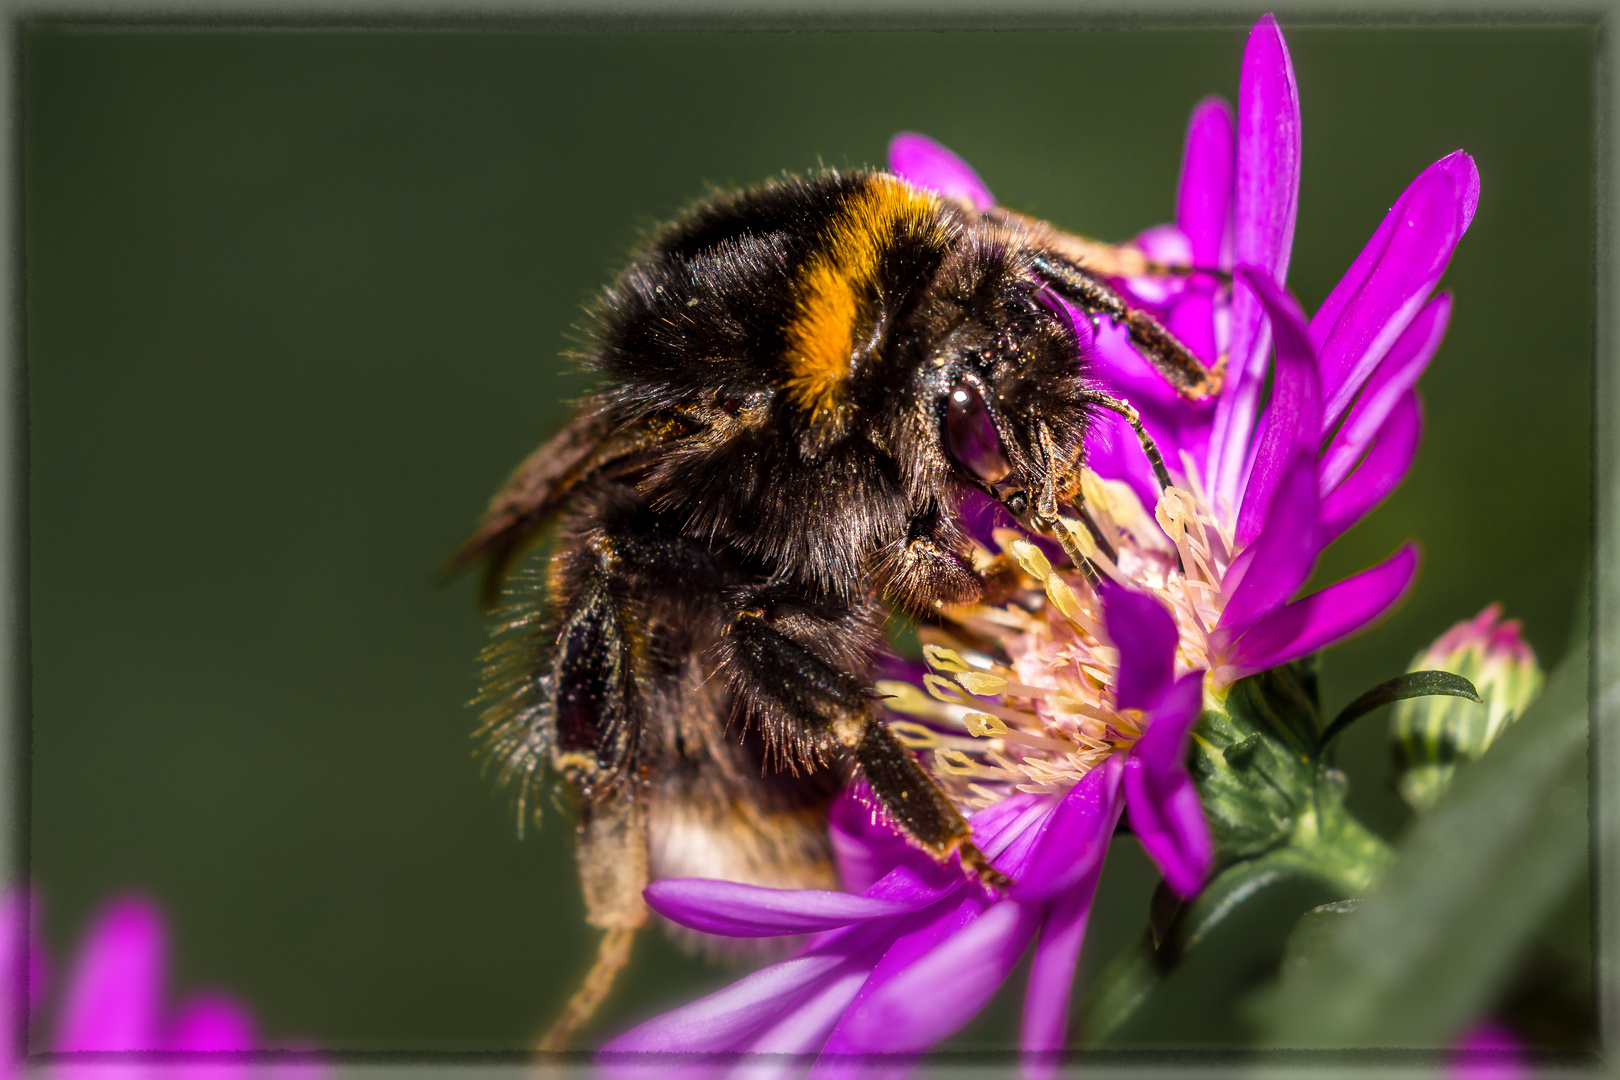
pixel 1430 735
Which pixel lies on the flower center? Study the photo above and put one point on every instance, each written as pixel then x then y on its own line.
pixel 1020 697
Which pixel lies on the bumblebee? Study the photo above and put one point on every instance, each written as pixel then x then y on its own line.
pixel 799 384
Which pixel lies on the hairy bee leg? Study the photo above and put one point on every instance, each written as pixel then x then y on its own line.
pixel 825 707
pixel 612 954
pixel 595 700
pixel 1158 345
pixel 913 799
pixel 1134 418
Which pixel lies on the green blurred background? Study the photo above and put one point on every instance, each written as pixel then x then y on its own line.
pixel 296 302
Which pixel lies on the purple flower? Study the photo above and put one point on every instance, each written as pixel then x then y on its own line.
pixel 1261 494
pixel 1081 711
pixel 114 1001
pixel 1488 1051
pixel 915 949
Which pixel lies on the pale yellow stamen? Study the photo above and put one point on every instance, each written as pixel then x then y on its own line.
pixel 977 682
pixel 942 659
pixel 1031 558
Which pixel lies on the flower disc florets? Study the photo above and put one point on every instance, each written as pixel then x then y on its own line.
pixel 1040 719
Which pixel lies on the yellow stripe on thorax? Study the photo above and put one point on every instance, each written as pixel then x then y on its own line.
pixel 835 281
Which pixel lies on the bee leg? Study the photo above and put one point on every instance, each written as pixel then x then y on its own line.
pixel 1134 418
pixel 1149 447
pixel 808 703
pixel 596 728
pixel 1158 345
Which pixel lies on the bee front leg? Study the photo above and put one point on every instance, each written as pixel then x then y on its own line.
pixel 1157 345
pixel 809 707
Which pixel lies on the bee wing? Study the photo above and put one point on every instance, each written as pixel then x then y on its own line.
pixel 595 438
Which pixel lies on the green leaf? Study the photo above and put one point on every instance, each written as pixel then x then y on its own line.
pixel 1312 934
pixel 1426 951
pixel 1410 685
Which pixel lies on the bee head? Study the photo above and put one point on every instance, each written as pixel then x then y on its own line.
pixel 1013 403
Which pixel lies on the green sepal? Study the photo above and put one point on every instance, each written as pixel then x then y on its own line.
pixel 1413 684
pixel 1254 761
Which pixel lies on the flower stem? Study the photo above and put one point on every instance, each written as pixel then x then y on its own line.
pixel 1332 846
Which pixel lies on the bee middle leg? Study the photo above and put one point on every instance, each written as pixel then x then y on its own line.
pixel 810 707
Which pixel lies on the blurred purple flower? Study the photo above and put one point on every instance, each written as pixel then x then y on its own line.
pixel 1488 1051
pixel 915 948
pixel 1344 419
pixel 114 1001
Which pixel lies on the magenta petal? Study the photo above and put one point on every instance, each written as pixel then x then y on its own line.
pixel 1204 195
pixel 1113 453
pixel 1116 362
pixel 1266 198
pixel 1051 977
pixel 918 878
pixel 924 162
pixel 1321 619
pixel 1379 474
pixel 1192 318
pixel 947 987
pixel 1275 566
pixel 1166 815
pixel 212 1022
pixel 733 909
pixel 717 1022
pixel 1268 152
pixel 115 990
pixel 1163 244
pixel 1398 373
pixel 1051 974
pixel 1398 285
pixel 1074 837
pixel 923 933
pixel 1292 418
pixel 996 827
pixel 1145 634
pixel 805 1027
pixel 1460 167
pixel 1177 425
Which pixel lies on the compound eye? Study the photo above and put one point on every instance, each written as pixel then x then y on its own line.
pixel 971 435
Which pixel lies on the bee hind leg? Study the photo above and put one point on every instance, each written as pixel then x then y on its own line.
pixel 810 707
pixel 594 666
pixel 612 954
